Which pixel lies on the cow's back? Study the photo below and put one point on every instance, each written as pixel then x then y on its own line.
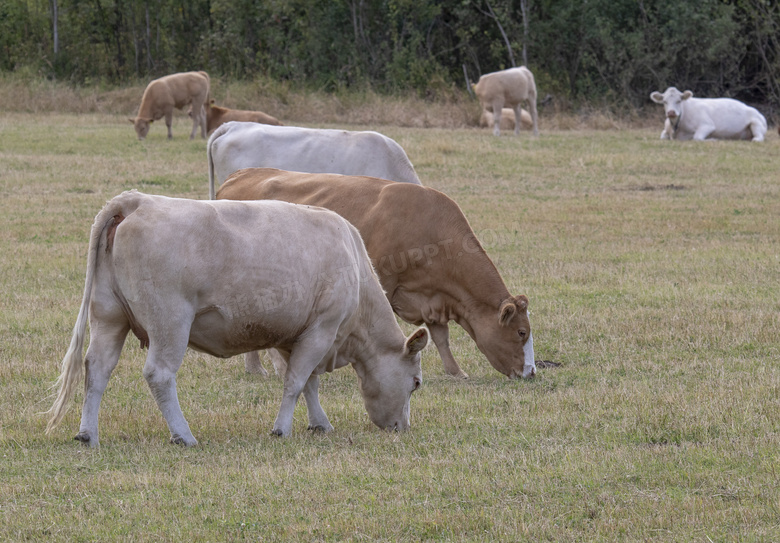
pixel 237 145
pixel 396 220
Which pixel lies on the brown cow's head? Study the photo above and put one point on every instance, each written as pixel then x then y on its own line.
pixel 508 343
pixel 141 126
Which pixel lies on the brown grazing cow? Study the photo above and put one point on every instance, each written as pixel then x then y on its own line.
pixel 218 115
pixel 508 88
pixel 173 91
pixel 428 259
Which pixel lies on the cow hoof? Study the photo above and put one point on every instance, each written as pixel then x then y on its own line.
pixel 83 437
pixel 320 429
pixel 277 432
pixel 179 440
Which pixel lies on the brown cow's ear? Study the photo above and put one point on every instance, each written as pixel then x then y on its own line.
pixel 417 341
pixel 506 311
pixel 131 120
pixel 522 302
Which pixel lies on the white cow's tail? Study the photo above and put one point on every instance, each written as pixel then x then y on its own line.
pixel 217 133
pixel 73 361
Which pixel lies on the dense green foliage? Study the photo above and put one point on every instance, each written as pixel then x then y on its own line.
pixel 611 51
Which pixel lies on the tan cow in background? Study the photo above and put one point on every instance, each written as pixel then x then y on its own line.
pixel 173 91
pixel 508 88
pixel 507 119
pixel 218 115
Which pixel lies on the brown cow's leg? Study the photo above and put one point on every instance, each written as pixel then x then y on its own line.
pixel 252 363
pixel 440 334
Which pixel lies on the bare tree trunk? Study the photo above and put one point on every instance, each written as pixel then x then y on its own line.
pixel 492 14
pixel 524 11
pixel 55 27
pixel 148 40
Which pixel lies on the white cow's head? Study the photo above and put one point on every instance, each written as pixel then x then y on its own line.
pixel 387 382
pixel 672 100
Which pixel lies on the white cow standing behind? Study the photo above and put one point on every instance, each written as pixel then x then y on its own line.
pixel 237 145
pixel 508 88
pixel 227 277
pixel 708 118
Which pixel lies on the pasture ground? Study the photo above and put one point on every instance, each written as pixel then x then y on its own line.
pixel 653 270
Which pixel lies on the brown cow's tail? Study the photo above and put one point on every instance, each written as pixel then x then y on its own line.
pixel 72 363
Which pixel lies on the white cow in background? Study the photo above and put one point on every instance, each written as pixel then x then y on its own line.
pixel 237 145
pixel 708 118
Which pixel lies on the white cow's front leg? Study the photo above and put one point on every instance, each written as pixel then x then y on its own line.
pixel 163 361
pixel 703 132
pixel 304 358
pixel 318 420
pixel 169 123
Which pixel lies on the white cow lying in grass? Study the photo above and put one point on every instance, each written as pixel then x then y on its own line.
pixel 507 122
pixel 708 118
pixel 227 277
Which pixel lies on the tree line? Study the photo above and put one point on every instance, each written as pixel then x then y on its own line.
pixel 590 51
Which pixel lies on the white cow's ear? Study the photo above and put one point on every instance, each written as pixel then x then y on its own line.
pixel 657 97
pixel 417 341
pixel 687 94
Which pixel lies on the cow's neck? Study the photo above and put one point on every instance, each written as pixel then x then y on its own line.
pixel 473 290
pixel 373 330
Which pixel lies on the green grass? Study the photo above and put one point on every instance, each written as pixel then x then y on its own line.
pixel 653 270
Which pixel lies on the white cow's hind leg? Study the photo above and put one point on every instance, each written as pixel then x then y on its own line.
pixel 498 106
pixel 758 129
pixel 106 341
pixel 518 117
pixel 166 352
pixel 278 360
pixel 318 420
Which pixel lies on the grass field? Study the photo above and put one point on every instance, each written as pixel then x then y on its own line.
pixel 653 270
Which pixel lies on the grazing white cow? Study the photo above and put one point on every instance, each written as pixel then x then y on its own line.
pixel 226 277
pixel 237 145
pixel 708 118
pixel 508 88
